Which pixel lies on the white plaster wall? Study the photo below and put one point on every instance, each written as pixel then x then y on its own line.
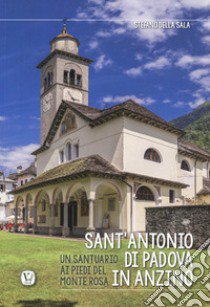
pixel 138 137
pixel 196 170
pixel 139 211
pixel 104 140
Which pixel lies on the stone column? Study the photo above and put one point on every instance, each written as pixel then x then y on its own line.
pixel 26 219
pixel 16 218
pixel 35 228
pixel 52 219
pixel 65 229
pixel 91 227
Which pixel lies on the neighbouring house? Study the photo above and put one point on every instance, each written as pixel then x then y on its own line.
pixel 20 177
pixel 6 186
pixel 97 170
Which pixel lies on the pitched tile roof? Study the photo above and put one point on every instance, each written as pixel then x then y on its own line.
pixel 96 117
pixel 94 165
pixel 31 170
pixel 206 187
pixel 188 148
pixel 78 168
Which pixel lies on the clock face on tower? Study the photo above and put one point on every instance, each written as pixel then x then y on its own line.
pixel 47 102
pixel 72 95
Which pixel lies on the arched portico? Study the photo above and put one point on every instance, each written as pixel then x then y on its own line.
pixel 56 212
pixel 42 213
pixel 90 204
pixel 108 206
pixel 77 209
pixel 94 205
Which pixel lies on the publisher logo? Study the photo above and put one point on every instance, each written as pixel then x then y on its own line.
pixel 28 278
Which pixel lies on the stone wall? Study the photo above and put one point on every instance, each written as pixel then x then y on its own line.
pixel 185 219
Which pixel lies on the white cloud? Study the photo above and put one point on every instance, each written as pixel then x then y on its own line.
pixel 2 118
pixel 206 26
pixel 103 33
pixel 133 72
pixel 179 104
pixel 128 11
pixel 201 77
pixel 189 60
pixel 166 101
pixel 206 40
pixel 198 101
pixel 11 157
pixel 120 99
pixel 102 62
pixel 93 44
pixel 159 63
pixel 195 4
pixel 112 31
pixel 138 56
pixel 198 73
pixel 37 118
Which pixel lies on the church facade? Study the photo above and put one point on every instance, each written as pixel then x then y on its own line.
pixel 99 169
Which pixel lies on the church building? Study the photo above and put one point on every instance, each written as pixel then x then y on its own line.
pixel 97 170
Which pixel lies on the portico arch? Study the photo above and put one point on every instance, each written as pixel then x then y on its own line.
pixel 75 187
pixel 108 206
pixel 42 206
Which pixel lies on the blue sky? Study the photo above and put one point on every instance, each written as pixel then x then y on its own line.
pixel 166 70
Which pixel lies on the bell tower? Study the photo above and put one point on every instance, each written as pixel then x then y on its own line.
pixel 64 76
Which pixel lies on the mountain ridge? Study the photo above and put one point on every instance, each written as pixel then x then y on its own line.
pixel 196 125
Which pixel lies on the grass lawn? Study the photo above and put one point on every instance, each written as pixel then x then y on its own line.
pixel 42 255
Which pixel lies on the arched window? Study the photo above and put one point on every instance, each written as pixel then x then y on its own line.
pixel 79 80
pixel 185 166
pixel 75 151
pixel 61 154
pixel 45 83
pixel 51 78
pixel 144 193
pixel 72 76
pixel 68 151
pixel 152 155
pixel 65 76
pixel 48 79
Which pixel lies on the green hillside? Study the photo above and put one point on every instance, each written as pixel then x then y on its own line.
pixel 196 124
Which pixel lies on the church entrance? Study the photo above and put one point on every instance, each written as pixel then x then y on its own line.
pixel 72 214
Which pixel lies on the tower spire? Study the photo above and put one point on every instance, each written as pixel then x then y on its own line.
pixel 64 31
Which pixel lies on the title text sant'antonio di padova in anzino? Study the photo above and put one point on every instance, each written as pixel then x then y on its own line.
pixel 148 260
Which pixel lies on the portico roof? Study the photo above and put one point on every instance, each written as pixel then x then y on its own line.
pixel 91 166
pixel 193 151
